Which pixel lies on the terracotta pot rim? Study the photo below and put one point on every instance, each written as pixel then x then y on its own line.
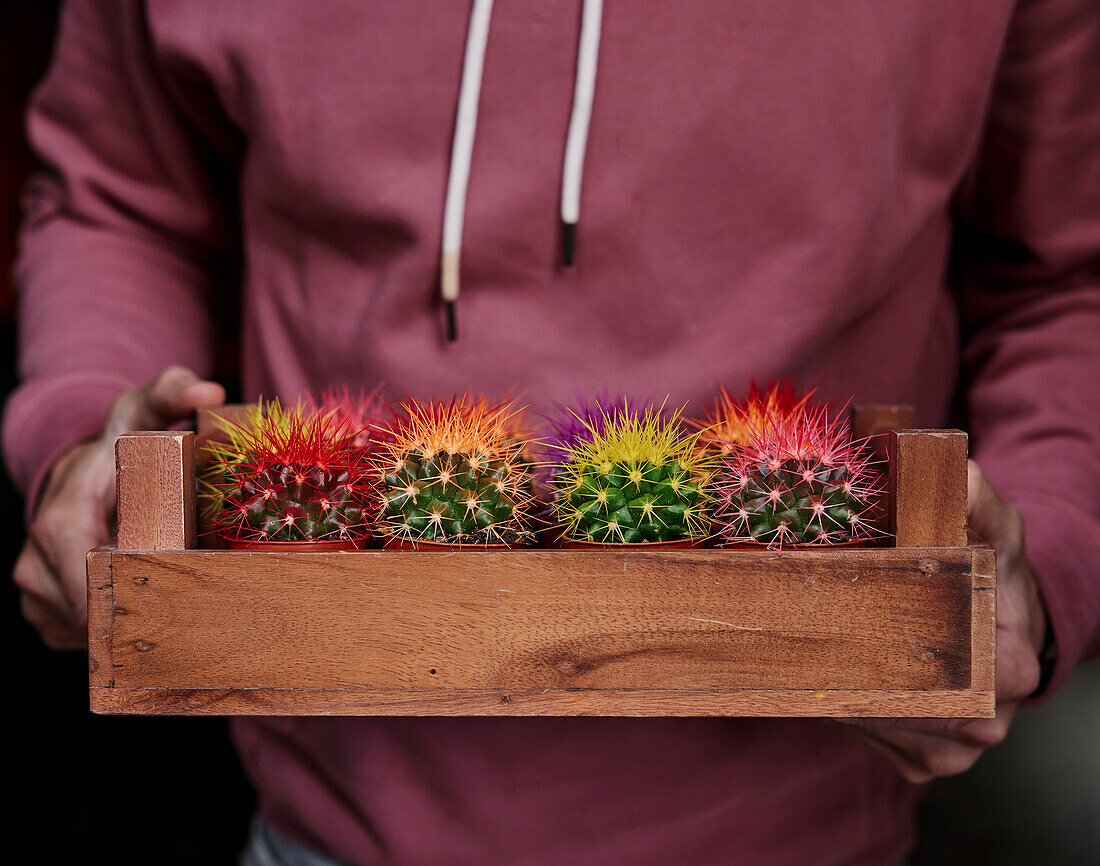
pixel 680 544
pixel 405 544
pixel 760 545
pixel 317 545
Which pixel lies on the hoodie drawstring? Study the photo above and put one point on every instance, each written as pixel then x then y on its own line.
pixel 576 142
pixel 462 149
pixel 462 152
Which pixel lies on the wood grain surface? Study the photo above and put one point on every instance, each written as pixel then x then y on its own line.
pixel 983 619
pixel 843 632
pixel 928 481
pixel 155 474
pixel 101 613
pixel 546 702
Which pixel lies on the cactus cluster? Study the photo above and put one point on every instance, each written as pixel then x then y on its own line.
pixel 636 477
pixel 288 474
pixel 771 469
pixel 795 478
pixel 456 473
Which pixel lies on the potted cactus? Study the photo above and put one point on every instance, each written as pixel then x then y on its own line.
pixel 792 477
pixel 635 477
pixel 455 473
pixel 288 479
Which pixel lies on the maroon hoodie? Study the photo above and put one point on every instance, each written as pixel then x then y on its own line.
pixel 899 201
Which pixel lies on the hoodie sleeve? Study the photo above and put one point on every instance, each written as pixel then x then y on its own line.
pixel 126 234
pixel 1027 265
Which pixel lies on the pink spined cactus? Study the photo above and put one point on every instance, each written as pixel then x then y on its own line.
pixel 798 479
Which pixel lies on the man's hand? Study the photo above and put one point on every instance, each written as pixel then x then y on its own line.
pixel 922 749
pixel 77 505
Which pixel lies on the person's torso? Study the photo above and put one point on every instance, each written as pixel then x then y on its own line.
pixel 766 193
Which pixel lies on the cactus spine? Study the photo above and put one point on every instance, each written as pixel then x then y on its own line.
pixel 733 422
pixel 364 413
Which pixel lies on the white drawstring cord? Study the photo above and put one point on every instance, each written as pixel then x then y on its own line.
pixel 461 154
pixel 587 52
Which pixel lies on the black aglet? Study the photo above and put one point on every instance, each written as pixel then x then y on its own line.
pixel 452 327
pixel 568 243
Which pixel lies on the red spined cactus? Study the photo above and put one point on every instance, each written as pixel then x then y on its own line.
pixel 292 475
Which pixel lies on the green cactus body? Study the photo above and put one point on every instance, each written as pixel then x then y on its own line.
pixel 798 501
pixel 637 481
pixel 451 497
pixel 633 502
pixel 288 502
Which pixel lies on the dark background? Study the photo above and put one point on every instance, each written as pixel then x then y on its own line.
pixel 168 791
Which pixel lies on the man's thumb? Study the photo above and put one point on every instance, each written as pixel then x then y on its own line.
pixel 177 392
pixel 173 396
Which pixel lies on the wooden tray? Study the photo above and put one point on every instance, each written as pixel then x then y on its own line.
pixel 891 631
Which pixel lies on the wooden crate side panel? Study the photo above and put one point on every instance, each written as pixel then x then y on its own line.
pixel 207 421
pixel 983 649
pixel 101 614
pixel 547 702
pixel 875 422
pixel 879 418
pixel 840 620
